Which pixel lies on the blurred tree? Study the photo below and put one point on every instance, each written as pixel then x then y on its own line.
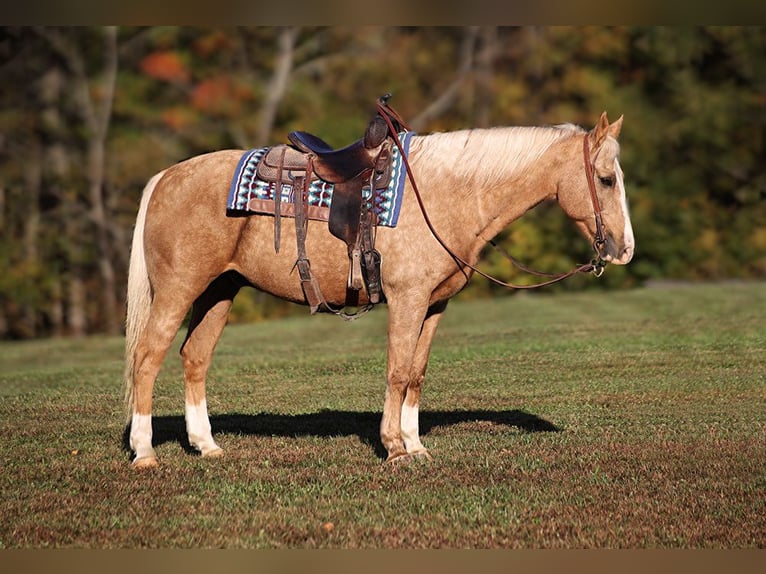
pixel 89 114
pixel 92 102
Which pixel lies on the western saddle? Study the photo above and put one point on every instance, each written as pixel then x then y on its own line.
pixel 355 171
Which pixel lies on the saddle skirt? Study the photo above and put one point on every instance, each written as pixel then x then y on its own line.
pixel 251 194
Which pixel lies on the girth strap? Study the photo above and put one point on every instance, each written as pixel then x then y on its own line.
pixel 364 248
pixel 308 282
pixel 278 202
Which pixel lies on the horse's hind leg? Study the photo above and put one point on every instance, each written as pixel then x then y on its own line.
pixel 165 318
pixel 209 315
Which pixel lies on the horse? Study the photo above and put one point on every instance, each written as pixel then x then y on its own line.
pixel 187 253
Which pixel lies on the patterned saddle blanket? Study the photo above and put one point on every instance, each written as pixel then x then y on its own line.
pixel 248 194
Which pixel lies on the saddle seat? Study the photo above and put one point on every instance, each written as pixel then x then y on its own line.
pixel 346 163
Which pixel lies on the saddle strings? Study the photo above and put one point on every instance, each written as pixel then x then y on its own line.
pixel 596 266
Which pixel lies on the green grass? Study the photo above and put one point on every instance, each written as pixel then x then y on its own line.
pixel 619 419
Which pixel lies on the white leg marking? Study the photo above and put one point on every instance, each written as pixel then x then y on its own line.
pixel 198 429
pixel 410 429
pixel 141 436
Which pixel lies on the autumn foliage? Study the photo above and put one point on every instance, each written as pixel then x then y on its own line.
pixel 165 65
pixel 89 114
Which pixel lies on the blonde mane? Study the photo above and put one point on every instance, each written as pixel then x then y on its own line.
pixel 463 150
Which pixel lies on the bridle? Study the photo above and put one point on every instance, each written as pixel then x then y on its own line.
pixel 596 266
pixel 599 240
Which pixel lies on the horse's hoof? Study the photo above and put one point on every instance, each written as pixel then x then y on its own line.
pixel 145 462
pixel 213 453
pixel 421 455
pixel 408 457
pixel 396 457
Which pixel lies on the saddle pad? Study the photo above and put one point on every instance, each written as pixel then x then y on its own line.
pixel 250 195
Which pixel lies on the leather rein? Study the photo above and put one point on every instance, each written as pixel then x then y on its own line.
pixel 596 266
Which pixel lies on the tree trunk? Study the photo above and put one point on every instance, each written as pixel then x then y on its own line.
pixel 485 61
pixel 277 87
pixel 99 121
pixel 31 234
pixel 57 162
pixel 448 97
pixel 77 313
pixel 96 117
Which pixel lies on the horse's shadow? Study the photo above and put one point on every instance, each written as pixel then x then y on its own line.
pixel 332 423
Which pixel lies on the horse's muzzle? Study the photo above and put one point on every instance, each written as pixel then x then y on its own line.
pixel 622 257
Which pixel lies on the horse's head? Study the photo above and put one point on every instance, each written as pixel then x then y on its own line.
pixel 575 195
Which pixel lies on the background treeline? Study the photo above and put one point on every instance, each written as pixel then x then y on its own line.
pixel 88 115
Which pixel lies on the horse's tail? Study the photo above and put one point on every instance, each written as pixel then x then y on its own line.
pixel 139 297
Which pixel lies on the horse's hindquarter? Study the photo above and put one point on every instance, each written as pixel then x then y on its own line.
pixel 187 232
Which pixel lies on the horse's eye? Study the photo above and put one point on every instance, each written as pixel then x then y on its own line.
pixel 606 181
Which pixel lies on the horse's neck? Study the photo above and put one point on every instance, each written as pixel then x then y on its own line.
pixel 490 177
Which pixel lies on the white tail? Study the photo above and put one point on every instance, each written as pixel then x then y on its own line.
pixel 139 297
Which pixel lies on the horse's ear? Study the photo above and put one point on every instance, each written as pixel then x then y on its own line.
pixel 599 133
pixel 614 129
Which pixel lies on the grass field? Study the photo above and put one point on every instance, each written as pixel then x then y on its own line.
pixel 621 419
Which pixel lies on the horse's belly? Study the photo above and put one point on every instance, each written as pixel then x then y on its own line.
pixel 277 274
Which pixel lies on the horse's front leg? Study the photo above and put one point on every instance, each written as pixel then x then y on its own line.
pixel 405 321
pixel 410 407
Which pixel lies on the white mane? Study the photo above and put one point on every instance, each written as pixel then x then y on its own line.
pixel 463 150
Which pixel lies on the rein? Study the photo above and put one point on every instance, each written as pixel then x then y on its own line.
pixel 596 265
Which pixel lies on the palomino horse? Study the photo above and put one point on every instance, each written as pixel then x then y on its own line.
pixel 187 253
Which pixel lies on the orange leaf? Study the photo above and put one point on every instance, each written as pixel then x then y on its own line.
pixel 215 95
pixel 165 65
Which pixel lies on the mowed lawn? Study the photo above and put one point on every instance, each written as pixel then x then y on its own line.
pixel 604 419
